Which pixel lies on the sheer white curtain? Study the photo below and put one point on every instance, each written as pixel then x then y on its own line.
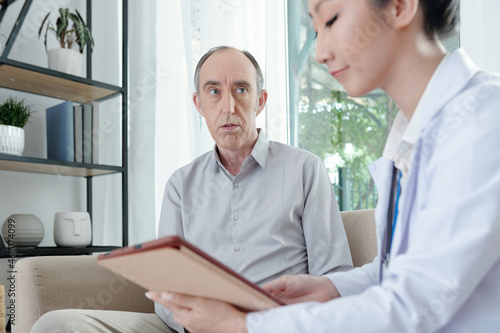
pixel 177 126
pixel 142 118
pixel 166 40
pixel 257 26
pixel 161 121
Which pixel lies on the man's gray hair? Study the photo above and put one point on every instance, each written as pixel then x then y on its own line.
pixel 260 77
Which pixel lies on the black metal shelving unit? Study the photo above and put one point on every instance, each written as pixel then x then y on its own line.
pixel 37 80
pixel 58 251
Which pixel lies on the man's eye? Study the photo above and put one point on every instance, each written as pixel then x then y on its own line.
pixel 213 91
pixel 241 90
pixel 332 20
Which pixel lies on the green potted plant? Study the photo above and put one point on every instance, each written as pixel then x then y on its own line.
pixel 14 115
pixel 70 31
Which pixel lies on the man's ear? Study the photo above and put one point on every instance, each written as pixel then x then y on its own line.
pixel 401 13
pixel 197 103
pixel 262 101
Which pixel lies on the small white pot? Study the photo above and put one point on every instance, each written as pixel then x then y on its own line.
pixel 11 140
pixel 72 229
pixel 66 61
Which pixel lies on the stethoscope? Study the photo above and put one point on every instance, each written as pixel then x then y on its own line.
pixel 392 216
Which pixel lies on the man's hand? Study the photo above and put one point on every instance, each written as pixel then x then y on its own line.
pixel 201 315
pixel 302 288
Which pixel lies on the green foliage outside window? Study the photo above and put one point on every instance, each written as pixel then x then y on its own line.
pixel 328 124
pixel 348 134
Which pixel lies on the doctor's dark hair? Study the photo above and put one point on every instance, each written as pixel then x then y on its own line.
pixel 441 17
pixel 260 76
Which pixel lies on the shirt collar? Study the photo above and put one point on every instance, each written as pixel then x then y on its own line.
pixel 261 148
pixel 259 152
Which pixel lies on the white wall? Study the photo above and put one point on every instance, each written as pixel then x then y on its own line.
pixel 479 32
pixel 44 195
pixel 41 195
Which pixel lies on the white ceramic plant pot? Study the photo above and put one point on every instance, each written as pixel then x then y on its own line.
pixel 11 140
pixel 72 229
pixel 22 230
pixel 65 60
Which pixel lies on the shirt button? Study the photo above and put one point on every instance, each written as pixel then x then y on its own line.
pixel 236 217
pixel 236 185
pixel 236 249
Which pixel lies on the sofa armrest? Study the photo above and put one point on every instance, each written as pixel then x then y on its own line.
pixel 71 282
pixel 360 230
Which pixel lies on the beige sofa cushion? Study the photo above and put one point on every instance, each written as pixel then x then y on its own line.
pixel 360 229
pixel 71 282
pixel 77 282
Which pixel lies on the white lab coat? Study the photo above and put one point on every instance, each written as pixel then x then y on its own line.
pixel 444 275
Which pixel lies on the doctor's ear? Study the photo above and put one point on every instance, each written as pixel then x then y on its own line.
pixel 401 13
pixel 197 104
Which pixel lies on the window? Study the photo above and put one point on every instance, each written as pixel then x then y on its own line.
pixel 347 133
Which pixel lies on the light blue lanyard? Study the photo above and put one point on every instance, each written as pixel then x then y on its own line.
pixel 392 212
pixel 396 209
pixel 392 217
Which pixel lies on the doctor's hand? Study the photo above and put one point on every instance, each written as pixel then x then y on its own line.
pixel 302 288
pixel 202 315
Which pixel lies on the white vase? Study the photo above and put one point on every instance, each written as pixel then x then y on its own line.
pixel 72 229
pixel 22 230
pixel 11 140
pixel 65 60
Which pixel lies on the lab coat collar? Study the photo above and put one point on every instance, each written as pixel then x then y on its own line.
pixel 381 172
pixel 452 74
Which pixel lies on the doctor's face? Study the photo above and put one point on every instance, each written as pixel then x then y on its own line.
pixel 229 101
pixel 354 42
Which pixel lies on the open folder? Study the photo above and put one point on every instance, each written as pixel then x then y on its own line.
pixel 172 264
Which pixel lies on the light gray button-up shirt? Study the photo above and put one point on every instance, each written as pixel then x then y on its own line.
pixel 278 216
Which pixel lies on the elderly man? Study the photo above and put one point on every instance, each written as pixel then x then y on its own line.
pixel 263 208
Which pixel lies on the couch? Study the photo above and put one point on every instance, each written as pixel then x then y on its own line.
pixel 77 282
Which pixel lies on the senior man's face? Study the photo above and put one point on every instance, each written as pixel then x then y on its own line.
pixel 229 100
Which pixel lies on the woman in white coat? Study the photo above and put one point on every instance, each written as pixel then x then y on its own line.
pixel 438 214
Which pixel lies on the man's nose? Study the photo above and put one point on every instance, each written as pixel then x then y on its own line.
pixel 228 103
